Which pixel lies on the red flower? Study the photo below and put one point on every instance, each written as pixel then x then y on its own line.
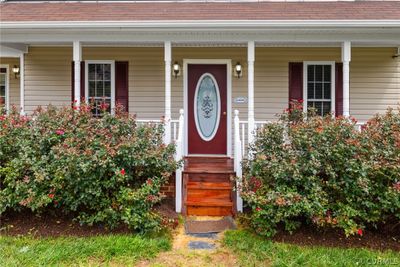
pixel 149 182
pixel 301 101
pixel 123 172
pixel 258 209
pixel 60 132
pixel 51 196
pixel 360 232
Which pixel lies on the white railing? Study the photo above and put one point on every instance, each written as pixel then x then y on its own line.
pixel 174 126
pixel 180 152
pixel 237 161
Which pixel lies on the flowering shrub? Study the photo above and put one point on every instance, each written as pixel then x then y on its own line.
pixel 323 171
pixel 104 169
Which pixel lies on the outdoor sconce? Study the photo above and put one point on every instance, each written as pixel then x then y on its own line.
pixel 397 54
pixel 238 70
pixel 176 69
pixel 15 70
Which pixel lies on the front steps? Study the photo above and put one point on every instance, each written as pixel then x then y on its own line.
pixel 207 186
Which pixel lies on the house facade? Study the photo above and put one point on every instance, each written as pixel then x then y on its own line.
pixel 213 71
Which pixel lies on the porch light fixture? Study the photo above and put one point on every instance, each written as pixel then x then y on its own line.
pixel 397 54
pixel 15 70
pixel 238 70
pixel 176 68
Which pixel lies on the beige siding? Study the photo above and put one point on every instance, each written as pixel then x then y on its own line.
pixel 47 77
pixel 14 91
pixel 374 78
pixel 374 81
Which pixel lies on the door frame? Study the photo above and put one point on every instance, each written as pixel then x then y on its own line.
pixel 228 63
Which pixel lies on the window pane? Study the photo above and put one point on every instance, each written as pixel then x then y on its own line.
pixel 326 108
pixel 2 79
pixel 107 89
pixel 310 90
pixel 318 72
pixel 92 87
pixel 99 71
pixel 2 90
pixel 92 69
pixel 327 91
pixel 99 89
pixel 327 73
pixel 318 90
pixel 107 72
pixel 310 73
pixel 318 107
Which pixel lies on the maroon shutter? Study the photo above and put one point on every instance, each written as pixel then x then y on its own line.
pixel 73 81
pixel 295 81
pixel 121 83
pixel 339 89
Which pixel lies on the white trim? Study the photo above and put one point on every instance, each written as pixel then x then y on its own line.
pixel 167 76
pixel 182 24
pixel 22 83
pixel 112 62
pixel 228 63
pixel 333 86
pixel 216 126
pixel 7 93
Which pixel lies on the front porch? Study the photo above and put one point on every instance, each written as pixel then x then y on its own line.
pixel 369 82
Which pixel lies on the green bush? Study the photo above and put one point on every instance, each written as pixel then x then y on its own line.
pixel 104 169
pixel 322 171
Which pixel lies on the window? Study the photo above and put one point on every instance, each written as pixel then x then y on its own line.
pixel 319 87
pixel 3 88
pixel 100 85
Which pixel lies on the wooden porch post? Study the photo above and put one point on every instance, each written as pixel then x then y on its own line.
pixel 77 56
pixel 346 58
pixel 167 116
pixel 250 82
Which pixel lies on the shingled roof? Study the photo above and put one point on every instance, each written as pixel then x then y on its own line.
pixel 163 11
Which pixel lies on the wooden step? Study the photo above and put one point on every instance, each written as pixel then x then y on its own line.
pixel 209 185
pixel 209 195
pixel 210 177
pixel 209 208
pixel 209 203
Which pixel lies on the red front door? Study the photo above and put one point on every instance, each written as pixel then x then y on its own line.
pixel 207 104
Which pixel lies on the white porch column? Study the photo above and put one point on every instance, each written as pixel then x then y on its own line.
pixel 77 55
pixel 250 82
pixel 22 83
pixel 346 58
pixel 167 59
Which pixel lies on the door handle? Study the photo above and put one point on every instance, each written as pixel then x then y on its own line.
pixel 224 113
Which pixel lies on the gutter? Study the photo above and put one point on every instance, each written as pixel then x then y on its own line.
pixel 196 24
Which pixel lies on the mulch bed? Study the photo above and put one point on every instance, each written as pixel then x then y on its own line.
pixel 387 237
pixel 51 225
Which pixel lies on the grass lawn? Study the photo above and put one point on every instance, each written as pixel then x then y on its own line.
pixel 252 250
pixel 80 251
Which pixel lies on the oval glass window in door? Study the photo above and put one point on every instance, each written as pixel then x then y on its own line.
pixel 207 105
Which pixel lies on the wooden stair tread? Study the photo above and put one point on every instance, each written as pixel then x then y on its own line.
pixel 207 171
pixel 209 185
pixel 210 203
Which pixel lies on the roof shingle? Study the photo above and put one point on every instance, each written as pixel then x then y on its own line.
pixel 106 11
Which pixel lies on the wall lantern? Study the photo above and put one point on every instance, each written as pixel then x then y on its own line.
pixel 397 53
pixel 238 70
pixel 176 69
pixel 15 70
